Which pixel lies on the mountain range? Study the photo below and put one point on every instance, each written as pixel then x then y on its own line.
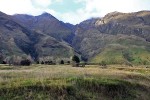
pixel 116 38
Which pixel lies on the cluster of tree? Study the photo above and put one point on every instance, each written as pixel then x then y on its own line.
pixel 27 61
pixel 63 62
pixel 47 62
pixel 16 60
pixel 52 62
pixel 75 61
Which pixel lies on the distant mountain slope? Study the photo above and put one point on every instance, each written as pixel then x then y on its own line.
pixel 114 38
pixel 46 24
pixel 109 37
pixel 16 39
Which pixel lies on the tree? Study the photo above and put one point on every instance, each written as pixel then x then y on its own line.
pixel 25 62
pixel 15 60
pixel 61 62
pixel 37 61
pixel 42 62
pixel 68 62
pixel 4 62
pixel 1 58
pixel 75 61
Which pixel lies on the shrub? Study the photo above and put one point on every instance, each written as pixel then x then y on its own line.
pixel 1 58
pixel 46 62
pixel 68 62
pixel 103 63
pixel 75 61
pixel 128 56
pixel 42 62
pixel 74 64
pixel 25 62
pixel 4 62
pixel 61 62
pixel 50 63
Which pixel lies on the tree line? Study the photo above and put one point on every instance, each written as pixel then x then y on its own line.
pixel 27 61
pixel 16 60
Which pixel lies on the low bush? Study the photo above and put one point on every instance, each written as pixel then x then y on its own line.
pixel 25 62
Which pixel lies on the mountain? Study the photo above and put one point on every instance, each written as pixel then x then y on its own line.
pixel 47 24
pixel 12 34
pixel 115 38
pixel 17 39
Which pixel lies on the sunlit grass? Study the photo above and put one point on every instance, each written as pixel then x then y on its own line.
pixel 66 82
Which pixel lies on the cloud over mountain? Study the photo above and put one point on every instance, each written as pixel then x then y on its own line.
pixel 73 11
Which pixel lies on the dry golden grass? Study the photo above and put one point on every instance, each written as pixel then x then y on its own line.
pixel 38 78
pixel 139 74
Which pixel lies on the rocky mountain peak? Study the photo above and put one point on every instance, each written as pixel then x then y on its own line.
pixel 46 15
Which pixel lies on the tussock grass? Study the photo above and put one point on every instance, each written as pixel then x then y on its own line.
pixel 56 82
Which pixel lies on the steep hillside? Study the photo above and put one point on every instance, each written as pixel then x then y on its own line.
pixel 124 50
pixel 16 39
pixel 113 37
pixel 46 24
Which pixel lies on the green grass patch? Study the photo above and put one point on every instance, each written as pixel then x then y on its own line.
pixel 39 82
pixel 68 89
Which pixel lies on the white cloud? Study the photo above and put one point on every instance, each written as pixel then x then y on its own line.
pixel 105 6
pixel 41 3
pixel 99 8
pixel 18 6
pixel 78 16
pixel 91 8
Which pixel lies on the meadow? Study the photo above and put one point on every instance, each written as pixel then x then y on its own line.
pixel 64 82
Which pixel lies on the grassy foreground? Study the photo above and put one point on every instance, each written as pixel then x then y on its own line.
pixel 47 82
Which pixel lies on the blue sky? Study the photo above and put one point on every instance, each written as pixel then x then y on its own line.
pixel 72 11
pixel 66 6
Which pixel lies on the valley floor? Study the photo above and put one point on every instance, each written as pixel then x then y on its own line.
pixel 63 82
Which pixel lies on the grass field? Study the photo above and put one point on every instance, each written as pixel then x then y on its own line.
pixel 63 82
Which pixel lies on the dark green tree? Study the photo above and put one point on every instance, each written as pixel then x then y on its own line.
pixel 61 62
pixel 42 62
pixel 75 61
pixel 25 62
pixel 1 58
pixel 68 62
